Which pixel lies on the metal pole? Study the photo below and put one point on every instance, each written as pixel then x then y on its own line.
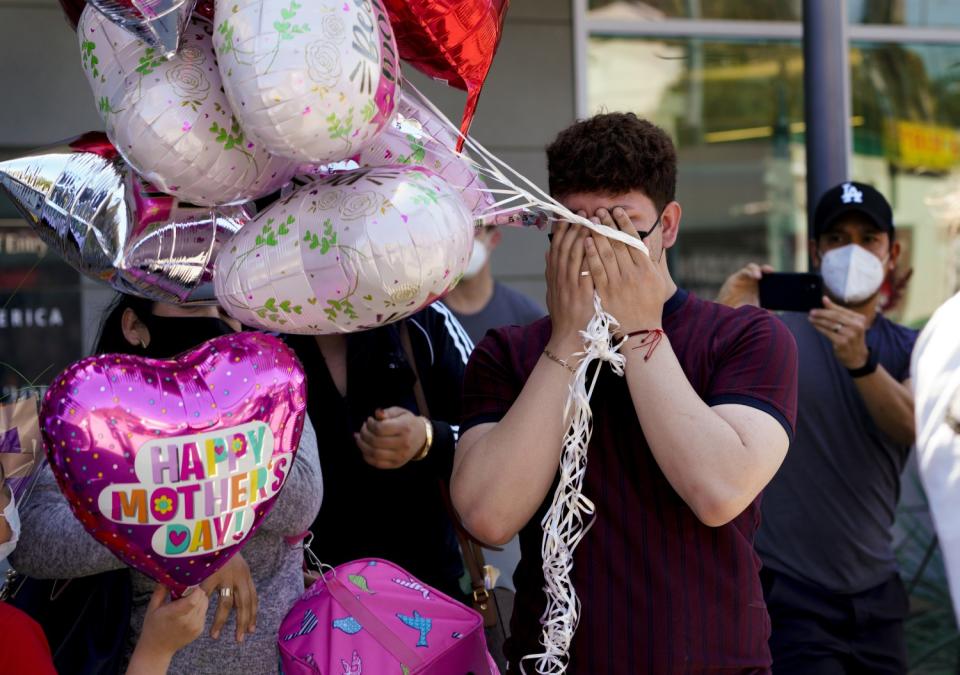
pixel 826 89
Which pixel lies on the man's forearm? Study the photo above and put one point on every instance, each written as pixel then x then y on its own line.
pixel 708 462
pixel 890 404
pixel 501 477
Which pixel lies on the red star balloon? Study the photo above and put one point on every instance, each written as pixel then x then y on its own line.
pixel 450 40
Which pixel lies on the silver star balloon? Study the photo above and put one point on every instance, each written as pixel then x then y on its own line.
pixel 86 203
pixel 159 23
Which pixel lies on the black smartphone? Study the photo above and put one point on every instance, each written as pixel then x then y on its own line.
pixel 791 291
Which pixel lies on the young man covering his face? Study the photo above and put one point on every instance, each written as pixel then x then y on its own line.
pixel 682 444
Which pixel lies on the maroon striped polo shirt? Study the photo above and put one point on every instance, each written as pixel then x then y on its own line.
pixel 660 591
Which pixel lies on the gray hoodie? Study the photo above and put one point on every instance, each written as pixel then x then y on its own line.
pixel 54 545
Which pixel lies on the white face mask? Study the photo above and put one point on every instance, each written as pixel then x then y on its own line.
pixel 852 274
pixel 478 258
pixel 12 517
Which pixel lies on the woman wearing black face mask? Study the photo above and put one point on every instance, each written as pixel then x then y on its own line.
pixel 260 584
pixel 158 330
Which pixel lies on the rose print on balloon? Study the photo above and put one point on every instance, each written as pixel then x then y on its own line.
pixel 188 82
pixel 313 81
pixel 351 251
pixel 171 120
pixel 333 28
pixel 361 205
pixel 191 53
pixel 323 63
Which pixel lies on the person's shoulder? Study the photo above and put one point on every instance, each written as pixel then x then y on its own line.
pixel 442 332
pixel 730 322
pixel 518 345
pixel 516 335
pixel 437 317
pixel 942 328
pixel 903 337
pixel 19 628
pixel 524 305
pixel 947 314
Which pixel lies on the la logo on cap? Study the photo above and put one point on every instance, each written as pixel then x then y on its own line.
pixel 851 194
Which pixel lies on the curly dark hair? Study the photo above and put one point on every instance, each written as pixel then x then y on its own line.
pixel 613 153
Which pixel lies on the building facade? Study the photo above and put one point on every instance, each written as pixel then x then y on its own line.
pixel 723 77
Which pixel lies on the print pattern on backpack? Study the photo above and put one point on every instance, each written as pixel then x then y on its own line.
pixel 355 667
pixel 306 627
pixel 370 616
pixel 360 582
pixel 418 623
pixel 348 625
pixel 413 585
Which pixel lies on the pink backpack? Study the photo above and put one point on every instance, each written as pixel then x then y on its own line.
pixel 369 617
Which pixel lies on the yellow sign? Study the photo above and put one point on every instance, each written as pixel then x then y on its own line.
pixel 916 145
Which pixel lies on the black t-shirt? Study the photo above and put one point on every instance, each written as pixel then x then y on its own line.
pixel 398 515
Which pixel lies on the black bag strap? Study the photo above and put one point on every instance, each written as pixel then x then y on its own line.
pixel 470 546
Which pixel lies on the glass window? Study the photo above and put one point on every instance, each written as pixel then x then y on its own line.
pixel 906 100
pixel 917 13
pixel 735 111
pixel 653 10
pixel 933 13
pixel 40 307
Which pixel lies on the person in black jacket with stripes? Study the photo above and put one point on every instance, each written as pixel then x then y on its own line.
pixel 384 459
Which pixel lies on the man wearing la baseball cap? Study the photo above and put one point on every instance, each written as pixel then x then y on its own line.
pixel 830 578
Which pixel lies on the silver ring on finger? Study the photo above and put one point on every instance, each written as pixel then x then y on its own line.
pixel 226 592
pixel 838 328
pixel 585 273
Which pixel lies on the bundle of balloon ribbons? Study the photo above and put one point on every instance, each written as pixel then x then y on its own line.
pixel 269 157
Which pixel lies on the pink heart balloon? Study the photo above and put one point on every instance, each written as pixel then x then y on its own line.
pixel 173 465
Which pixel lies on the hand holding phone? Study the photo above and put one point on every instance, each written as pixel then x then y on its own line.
pixel 791 291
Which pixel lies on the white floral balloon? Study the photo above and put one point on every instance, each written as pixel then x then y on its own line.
pixel 313 80
pixel 171 120
pixel 417 137
pixel 351 251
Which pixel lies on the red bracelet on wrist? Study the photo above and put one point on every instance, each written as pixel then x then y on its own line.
pixel 651 338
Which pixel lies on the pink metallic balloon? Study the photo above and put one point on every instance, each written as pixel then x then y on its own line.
pixel 173 464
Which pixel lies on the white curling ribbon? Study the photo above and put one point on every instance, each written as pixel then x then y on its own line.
pixel 571 513
pixel 520 194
